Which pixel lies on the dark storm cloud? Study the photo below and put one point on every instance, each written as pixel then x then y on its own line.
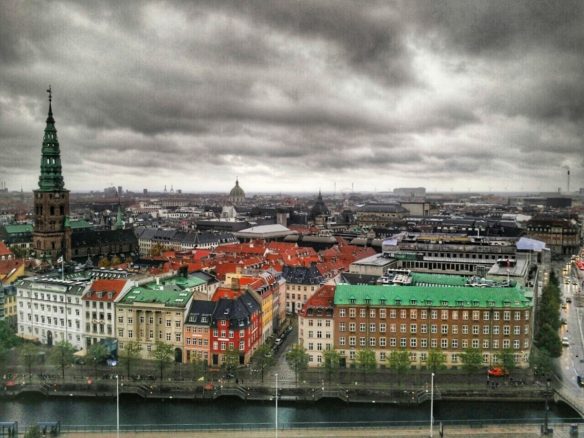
pixel 293 91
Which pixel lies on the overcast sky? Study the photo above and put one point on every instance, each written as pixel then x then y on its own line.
pixel 295 95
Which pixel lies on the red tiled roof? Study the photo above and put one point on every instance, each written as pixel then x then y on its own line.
pixel 322 298
pixel 4 250
pixel 114 286
pixel 6 266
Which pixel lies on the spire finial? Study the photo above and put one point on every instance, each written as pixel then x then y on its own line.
pixel 50 91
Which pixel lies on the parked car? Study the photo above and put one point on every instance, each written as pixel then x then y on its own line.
pixel 579 380
pixel 497 372
pixel 278 341
pixel 568 300
pixel 565 341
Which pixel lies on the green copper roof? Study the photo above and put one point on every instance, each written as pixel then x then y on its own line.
pixel 79 224
pixel 18 228
pixel 162 295
pixel 51 179
pixel 418 296
pixel 420 279
pixel 184 283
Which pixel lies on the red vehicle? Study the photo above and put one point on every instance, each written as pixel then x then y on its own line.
pixel 497 372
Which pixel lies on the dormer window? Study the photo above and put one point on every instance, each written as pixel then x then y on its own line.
pixel 444 303
pixel 397 302
pixel 352 300
pixel 413 302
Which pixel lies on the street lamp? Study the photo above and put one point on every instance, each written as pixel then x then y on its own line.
pixel 276 405
pixel 117 406
pixel 432 406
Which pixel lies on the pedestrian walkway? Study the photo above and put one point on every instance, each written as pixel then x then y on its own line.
pixel 487 431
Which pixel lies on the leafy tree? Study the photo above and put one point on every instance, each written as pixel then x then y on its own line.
pixel 8 338
pixel 103 263
pixel 62 356
pixel 199 366
pixel 366 361
pixel 399 361
pixel 436 360
pixel 549 339
pixel 163 354
pixel 3 357
pixel 97 353
pixel 231 361
pixel 129 354
pixel 115 261
pixel 29 355
pixel 541 361
pixel 331 363
pixel 472 360
pixel 507 359
pixel 297 359
pixel 263 359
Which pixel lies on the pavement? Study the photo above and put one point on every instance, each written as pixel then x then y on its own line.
pixel 507 431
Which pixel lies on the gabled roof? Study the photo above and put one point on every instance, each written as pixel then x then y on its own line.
pixel 201 312
pixel 4 250
pixel 100 290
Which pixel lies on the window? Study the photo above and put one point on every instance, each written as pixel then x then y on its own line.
pixel 382 327
pixel 423 343
pixel 372 313
pixel 434 328
pixel 506 330
pixel 352 341
pixel 485 343
pixel 434 343
pixel 130 334
pixel 434 314
pixel 362 341
pixel 517 316
pixel 506 315
pixel 454 329
pixel 392 313
pixel 485 330
pixel 382 313
pixel 403 314
pixel 372 342
pixel 475 329
pixel 475 343
pixel 177 337
pixel 485 316
pixel 362 313
pixel 392 328
pixel 403 342
pixel 352 326
pixel 413 328
pixel 413 342
pixel 372 327
pixel 444 343
pixel 454 343
pixel 319 334
pixel 444 314
pixel 342 327
pixel 495 329
pixel 476 315
pixel 455 315
pixel 444 329
pixel 423 314
pixel 342 340
pixel 362 327
pixel 382 342
pixel 402 328
pixel 465 329
pixel 506 343
pixel 352 313
pixel 342 313
pixel 413 314
pixel 310 323
pixel 168 323
pixel 465 315
pixel 392 342
pixel 496 316
pixel 424 328
pixel 516 330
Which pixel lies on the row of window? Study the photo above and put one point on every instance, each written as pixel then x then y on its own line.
pixel 48 308
pixel 465 315
pixel 46 297
pixel 319 323
pixel 177 335
pixel 423 357
pixel 444 328
pixel 51 320
pixel 423 343
pixel 327 335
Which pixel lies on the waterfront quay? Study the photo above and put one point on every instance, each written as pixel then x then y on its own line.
pixel 370 393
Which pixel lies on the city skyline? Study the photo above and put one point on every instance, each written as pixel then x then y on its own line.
pixel 297 96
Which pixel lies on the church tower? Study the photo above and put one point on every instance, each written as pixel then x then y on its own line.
pixel 51 233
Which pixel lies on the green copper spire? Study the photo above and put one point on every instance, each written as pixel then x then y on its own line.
pixel 119 225
pixel 51 179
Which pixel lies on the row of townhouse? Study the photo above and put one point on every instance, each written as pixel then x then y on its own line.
pixel 417 318
pixel 88 311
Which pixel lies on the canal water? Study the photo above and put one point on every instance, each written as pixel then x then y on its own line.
pixel 235 413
